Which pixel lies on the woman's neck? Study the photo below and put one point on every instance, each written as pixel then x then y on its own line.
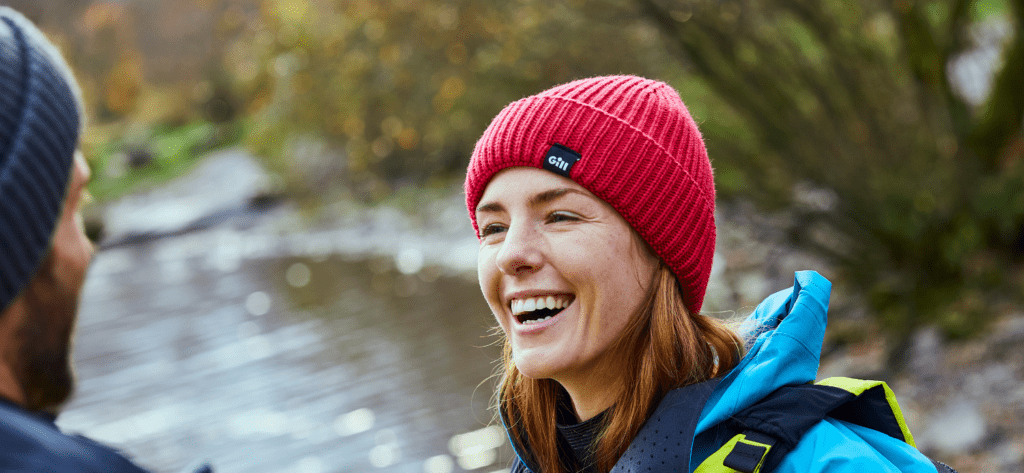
pixel 592 394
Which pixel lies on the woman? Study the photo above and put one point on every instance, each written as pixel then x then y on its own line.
pixel 594 206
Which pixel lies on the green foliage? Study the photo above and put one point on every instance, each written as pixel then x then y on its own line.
pixel 135 161
pixel 857 103
pixel 399 91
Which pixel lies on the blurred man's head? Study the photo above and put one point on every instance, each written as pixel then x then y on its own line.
pixel 45 252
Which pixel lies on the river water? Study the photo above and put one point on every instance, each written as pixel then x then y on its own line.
pixel 281 363
pixel 263 351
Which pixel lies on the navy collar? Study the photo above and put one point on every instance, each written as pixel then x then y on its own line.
pixel 41 415
pixel 673 422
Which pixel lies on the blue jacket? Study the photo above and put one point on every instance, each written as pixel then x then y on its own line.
pixel 31 442
pixel 787 352
pixel 789 328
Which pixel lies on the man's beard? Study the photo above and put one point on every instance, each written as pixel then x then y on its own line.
pixel 45 337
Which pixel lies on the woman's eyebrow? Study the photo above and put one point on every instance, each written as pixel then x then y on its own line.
pixel 551 195
pixel 538 199
pixel 490 207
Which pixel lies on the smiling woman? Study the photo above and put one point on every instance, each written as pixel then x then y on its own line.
pixel 594 205
pixel 567 210
pixel 544 237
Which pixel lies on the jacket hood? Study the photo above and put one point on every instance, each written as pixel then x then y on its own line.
pixel 787 330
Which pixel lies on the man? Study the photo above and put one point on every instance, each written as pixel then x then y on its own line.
pixel 44 254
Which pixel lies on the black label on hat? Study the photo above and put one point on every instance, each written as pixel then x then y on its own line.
pixel 560 159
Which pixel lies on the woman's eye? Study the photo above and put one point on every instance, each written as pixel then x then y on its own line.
pixel 562 217
pixel 491 229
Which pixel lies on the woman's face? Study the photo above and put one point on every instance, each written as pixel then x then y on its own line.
pixel 561 270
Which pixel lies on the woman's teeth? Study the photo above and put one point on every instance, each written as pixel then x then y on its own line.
pixel 533 304
pixel 534 321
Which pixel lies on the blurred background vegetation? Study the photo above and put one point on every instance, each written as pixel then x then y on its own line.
pixel 888 132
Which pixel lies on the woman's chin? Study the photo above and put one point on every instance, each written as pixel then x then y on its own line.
pixel 534 368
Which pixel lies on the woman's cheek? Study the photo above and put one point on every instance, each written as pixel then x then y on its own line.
pixel 486 276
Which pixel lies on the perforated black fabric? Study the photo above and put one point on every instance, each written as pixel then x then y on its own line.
pixel 664 442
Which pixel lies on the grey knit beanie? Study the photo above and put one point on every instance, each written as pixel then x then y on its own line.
pixel 40 116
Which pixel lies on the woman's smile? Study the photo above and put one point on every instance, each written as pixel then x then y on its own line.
pixel 536 323
pixel 531 310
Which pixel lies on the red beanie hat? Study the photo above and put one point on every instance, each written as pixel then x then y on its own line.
pixel 632 143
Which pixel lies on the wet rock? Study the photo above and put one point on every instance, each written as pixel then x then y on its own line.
pixel 957 427
pixel 226 180
pixel 925 356
pixel 138 158
pixel 993 383
pixel 1008 456
pixel 1008 334
pixel 864 360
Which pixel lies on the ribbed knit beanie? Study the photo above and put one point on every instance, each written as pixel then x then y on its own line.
pixel 631 142
pixel 39 128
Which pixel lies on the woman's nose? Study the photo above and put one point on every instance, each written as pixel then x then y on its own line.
pixel 520 251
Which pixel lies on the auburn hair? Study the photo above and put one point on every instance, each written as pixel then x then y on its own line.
pixel 663 347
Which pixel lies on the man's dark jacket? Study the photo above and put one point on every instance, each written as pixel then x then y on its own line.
pixel 31 442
